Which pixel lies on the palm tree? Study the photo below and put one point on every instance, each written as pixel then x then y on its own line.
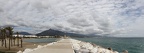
pixel 10 35
pixel 21 42
pixel 4 33
pixel 5 36
pixel 14 40
pixel 17 39
pixel 2 36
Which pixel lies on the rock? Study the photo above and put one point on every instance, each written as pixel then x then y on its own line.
pixel 19 52
pixel 109 48
pixel 27 50
pixel 125 51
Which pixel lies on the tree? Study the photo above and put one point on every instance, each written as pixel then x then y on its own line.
pixel 14 40
pixel 4 33
pixel 17 39
pixel 10 32
pixel 7 33
pixel 2 36
pixel 21 40
pixel 5 41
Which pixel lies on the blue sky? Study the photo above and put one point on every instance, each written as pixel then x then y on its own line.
pixel 120 18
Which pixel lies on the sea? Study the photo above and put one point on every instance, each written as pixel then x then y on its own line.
pixel 133 45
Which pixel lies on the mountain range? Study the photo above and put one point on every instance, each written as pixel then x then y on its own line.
pixel 52 32
pixel 23 33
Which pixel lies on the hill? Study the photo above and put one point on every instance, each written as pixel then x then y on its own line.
pixel 24 33
pixel 52 32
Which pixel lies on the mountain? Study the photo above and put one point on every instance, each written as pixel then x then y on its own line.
pixel 52 32
pixel 24 33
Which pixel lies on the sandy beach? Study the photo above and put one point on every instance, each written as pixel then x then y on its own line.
pixel 15 49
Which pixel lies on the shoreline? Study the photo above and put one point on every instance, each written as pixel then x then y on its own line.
pixel 77 46
pixel 87 47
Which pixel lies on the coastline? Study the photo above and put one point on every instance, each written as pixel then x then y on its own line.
pixel 87 47
pixel 77 46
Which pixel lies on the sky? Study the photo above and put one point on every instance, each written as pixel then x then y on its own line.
pixel 118 18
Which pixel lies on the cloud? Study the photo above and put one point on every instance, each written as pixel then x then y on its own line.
pixel 98 17
pixel 79 22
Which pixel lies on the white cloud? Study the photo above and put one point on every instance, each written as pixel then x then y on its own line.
pixel 99 17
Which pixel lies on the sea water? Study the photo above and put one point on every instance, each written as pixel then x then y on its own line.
pixel 41 40
pixel 133 45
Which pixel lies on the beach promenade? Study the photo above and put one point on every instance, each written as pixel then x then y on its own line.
pixel 62 46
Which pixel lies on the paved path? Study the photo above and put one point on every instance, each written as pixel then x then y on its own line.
pixel 63 46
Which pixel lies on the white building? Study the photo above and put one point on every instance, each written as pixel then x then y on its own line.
pixel 30 36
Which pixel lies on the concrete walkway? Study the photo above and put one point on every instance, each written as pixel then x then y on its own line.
pixel 63 46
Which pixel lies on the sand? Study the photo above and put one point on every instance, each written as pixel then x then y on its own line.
pixel 62 46
pixel 15 49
